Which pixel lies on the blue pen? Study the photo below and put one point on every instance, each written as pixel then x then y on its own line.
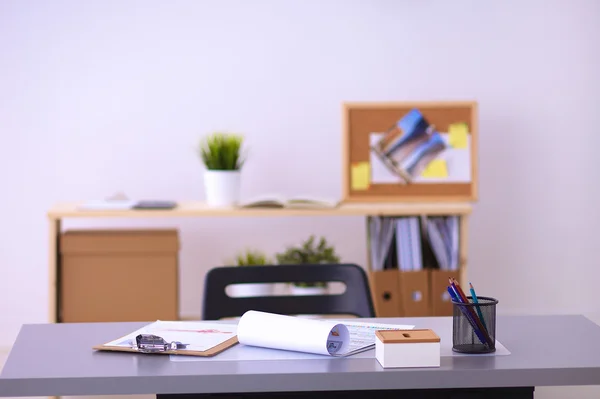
pixel 477 307
pixel 465 311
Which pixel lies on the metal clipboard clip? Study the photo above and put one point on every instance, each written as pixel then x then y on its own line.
pixel 149 343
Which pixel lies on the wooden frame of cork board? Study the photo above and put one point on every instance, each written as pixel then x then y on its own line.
pixel 410 151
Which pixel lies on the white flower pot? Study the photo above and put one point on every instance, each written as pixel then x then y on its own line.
pixel 308 290
pixel 222 187
pixel 248 290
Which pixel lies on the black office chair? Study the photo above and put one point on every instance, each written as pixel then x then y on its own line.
pixel 355 300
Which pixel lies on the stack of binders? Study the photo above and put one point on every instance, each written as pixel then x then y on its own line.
pixel 412 259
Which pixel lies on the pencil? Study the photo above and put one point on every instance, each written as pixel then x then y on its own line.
pixel 477 307
pixel 472 313
pixel 468 316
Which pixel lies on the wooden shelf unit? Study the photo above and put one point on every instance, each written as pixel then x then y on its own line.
pixel 198 209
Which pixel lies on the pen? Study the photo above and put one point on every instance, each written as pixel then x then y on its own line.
pixel 464 299
pixel 477 307
pixel 456 298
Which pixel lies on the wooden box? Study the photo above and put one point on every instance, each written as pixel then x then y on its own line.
pixel 118 275
pixel 407 348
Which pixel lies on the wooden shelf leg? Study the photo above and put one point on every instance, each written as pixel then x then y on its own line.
pixel 53 255
pixel 463 249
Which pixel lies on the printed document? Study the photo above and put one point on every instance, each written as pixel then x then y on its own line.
pixel 362 335
pixel 318 336
pixel 198 336
pixel 267 330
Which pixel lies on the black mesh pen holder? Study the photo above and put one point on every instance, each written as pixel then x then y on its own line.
pixel 474 325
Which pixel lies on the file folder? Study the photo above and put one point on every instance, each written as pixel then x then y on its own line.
pixel 441 303
pixel 385 292
pixel 414 293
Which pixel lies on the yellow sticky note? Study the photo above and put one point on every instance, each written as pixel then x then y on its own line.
pixel 436 169
pixel 458 135
pixel 361 176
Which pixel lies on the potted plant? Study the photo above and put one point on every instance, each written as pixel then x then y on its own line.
pixel 250 258
pixel 309 252
pixel 221 155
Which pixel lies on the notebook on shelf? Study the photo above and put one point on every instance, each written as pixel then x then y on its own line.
pixel 299 202
pixel 120 202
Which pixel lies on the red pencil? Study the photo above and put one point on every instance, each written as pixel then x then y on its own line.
pixel 460 291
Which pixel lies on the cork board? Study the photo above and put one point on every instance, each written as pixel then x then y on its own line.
pixel 412 151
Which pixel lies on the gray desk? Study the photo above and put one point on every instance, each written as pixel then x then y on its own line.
pixel 57 360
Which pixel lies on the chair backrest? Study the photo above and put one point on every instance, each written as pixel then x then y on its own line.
pixel 355 300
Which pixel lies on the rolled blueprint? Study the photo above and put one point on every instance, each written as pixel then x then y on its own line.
pixel 276 331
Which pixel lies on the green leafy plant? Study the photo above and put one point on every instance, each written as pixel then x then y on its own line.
pixel 252 258
pixel 222 151
pixel 309 252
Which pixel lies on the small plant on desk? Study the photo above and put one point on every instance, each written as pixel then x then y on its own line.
pixel 222 157
pixel 310 252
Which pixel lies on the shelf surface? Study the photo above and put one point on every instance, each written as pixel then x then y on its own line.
pixel 200 209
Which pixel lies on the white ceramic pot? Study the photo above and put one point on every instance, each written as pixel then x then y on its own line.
pixel 248 290
pixel 222 187
pixel 308 290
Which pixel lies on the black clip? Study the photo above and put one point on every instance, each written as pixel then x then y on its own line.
pixel 148 343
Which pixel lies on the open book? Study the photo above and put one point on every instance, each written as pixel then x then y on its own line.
pixel 295 203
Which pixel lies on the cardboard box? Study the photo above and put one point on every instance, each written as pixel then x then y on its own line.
pixel 118 275
pixel 411 293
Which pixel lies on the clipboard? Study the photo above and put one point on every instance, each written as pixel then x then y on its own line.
pixel 147 342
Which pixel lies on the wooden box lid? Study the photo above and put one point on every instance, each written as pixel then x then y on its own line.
pixel 407 336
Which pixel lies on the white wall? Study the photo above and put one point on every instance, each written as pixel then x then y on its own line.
pixel 100 96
